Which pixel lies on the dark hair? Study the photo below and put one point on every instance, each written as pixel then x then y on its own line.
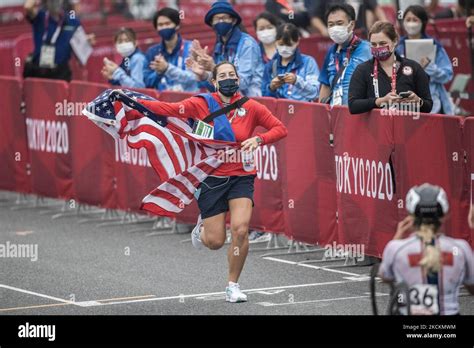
pixel 169 12
pixel 214 71
pixel 288 32
pixel 420 12
pixel 274 20
pixel 127 31
pixel 346 8
pixel 384 27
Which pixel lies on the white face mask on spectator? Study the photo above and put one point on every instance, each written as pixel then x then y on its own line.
pixel 412 28
pixel 125 48
pixel 286 51
pixel 267 36
pixel 339 33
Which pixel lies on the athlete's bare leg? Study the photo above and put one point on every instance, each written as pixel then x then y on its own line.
pixel 240 214
pixel 213 234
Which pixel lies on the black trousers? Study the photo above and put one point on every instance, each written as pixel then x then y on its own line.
pixel 60 72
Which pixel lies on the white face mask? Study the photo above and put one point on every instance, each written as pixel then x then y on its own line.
pixel 412 28
pixel 339 33
pixel 125 48
pixel 286 51
pixel 267 36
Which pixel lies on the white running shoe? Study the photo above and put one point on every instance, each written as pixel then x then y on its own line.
pixel 233 294
pixel 196 234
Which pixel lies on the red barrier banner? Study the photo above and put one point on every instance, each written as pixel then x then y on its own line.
pixel 93 164
pixel 48 137
pixel 14 154
pixel 308 174
pixel 428 148
pixel 366 195
pixel 267 214
pixel 468 144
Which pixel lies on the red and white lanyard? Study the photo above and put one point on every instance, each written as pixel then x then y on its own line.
pixel 376 78
pixel 348 53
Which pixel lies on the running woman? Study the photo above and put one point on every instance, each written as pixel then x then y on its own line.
pixel 432 265
pixel 230 188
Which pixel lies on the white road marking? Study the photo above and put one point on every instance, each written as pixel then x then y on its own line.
pixel 311 266
pixel 179 297
pixel 270 304
pixel 37 294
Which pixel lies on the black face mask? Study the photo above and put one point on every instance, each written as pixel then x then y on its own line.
pixel 228 87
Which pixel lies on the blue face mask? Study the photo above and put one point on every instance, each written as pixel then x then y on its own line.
pixel 223 28
pixel 167 34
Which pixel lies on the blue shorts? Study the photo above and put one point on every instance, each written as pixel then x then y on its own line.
pixel 215 193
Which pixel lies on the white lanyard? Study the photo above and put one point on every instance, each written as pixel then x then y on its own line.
pixel 55 36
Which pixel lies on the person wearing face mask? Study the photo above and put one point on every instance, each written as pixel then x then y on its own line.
pixel 388 80
pixel 440 69
pixel 343 57
pixel 230 187
pixel 130 71
pixel 232 45
pixel 53 29
pixel 266 26
pixel 290 74
pixel 165 68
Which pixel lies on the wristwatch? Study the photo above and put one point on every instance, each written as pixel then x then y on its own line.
pixel 259 141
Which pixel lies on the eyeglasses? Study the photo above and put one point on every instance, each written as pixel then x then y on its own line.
pixel 221 18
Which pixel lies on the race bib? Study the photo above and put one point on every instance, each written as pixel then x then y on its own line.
pixel 424 299
pixel 203 129
pixel 48 52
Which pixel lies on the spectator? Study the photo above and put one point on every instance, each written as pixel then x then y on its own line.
pixel 165 68
pixel 440 70
pixel 367 13
pixel 130 71
pixel 377 82
pixel 232 45
pixel 52 32
pixel 463 8
pixel 343 57
pixel 266 29
pixel 290 74
pixel 288 12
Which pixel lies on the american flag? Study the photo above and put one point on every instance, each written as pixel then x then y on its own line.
pixel 181 159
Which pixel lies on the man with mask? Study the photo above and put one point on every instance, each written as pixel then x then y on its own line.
pixel 165 68
pixel 232 45
pixel 53 29
pixel 343 57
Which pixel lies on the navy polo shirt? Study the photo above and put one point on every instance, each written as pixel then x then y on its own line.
pixel 63 48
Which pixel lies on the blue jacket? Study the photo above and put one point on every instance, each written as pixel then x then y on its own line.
pixel 176 77
pixel 360 54
pixel 306 70
pixel 243 51
pixel 440 72
pixel 62 44
pixel 130 72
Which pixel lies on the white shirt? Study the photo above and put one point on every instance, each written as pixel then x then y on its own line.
pixel 400 263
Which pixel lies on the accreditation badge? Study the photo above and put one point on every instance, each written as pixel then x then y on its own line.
pixel 203 129
pixel 47 55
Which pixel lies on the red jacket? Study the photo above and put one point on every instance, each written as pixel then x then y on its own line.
pixel 243 127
